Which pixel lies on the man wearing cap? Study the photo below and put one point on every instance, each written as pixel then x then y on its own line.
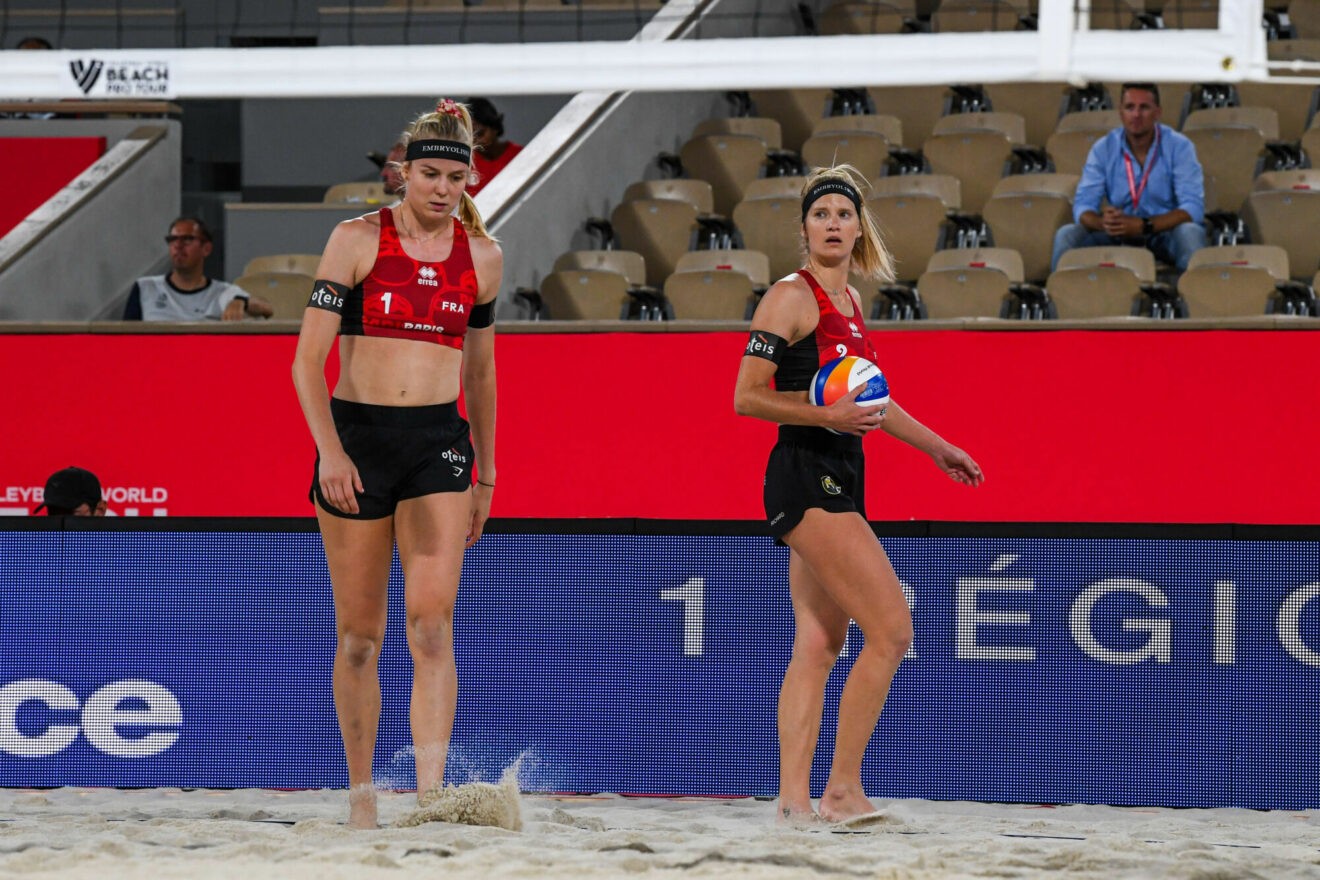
pixel 72 492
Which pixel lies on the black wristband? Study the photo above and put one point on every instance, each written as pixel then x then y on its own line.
pixel 328 295
pixel 766 345
pixel 1147 226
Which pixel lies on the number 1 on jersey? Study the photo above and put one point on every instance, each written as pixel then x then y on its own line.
pixel 385 297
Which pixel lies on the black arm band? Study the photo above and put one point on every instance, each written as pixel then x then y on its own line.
pixel 483 315
pixel 766 345
pixel 328 295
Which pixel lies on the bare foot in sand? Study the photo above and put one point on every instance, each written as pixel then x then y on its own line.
pixel 841 804
pixel 796 816
pixel 362 807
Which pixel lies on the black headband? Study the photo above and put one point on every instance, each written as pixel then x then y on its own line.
pixel 825 187
pixel 437 149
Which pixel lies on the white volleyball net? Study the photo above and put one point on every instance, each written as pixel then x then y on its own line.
pixel 411 47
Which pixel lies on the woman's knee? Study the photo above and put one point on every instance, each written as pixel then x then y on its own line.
pixel 358 648
pixel 818 647
pixel 893 640
pixel 431 635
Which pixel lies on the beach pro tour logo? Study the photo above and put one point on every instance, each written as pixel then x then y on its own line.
pixel 121 79
pixel 86 73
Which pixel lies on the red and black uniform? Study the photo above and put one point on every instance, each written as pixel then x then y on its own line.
pixel 404 452
pixel 404 298
pixel 809 466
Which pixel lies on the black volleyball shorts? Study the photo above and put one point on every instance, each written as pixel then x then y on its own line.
pixel 400 452
pixel 809 470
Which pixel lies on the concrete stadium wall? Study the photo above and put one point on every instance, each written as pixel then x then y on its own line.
pixel 75 257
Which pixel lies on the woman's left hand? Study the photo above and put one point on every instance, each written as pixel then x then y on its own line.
pixel 481 497
pixel 958 465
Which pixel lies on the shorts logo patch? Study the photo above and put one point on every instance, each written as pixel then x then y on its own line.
pixel 831 488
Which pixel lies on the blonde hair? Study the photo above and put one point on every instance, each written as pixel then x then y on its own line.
pixel 454 125
pixel 870 258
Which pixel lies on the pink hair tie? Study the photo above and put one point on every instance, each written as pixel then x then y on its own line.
pixel 449 107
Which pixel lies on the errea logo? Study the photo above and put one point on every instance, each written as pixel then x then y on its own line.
pixel 426 277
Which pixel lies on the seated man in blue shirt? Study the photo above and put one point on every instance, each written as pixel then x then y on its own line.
pixel 1149 181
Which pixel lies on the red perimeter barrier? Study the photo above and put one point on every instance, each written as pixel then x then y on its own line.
pixel 34 169
pixel 1105 426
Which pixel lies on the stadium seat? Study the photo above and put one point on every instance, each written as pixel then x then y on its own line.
pixel 1069 149
pixel 658 229
pixel 629 264
pixel 1289 100
pixel 1039 105
pixel 1190 14
pixel 370 192
pixel 1293 50
pixel 945 187
pixel 1045 183
pixel 977 158
pixel 715 229
pixel 911 224
pixel 1292 179
pixel 789 186
pixel 1229 142
pixel 728 162
pixel 1233 280
pixel 1305 18
pixel 1012 125
pixel 1288 218
pixel 1098 282
pixel 1023 214
pixel 866 151
pixel 682 189
pixel 1311 140
pixel 796 109
pixel 887 126
pixel 1088 120
pixel 862 17
pixel 917 106
pixel 773 226
pixel 300 264
pixel 714 294
pixel 763 127
pixel 969 16
pixel 287 292
pixel 754 264
pixel 969 282
pixel 584 294
pixel 1263 119
pixel 1114 15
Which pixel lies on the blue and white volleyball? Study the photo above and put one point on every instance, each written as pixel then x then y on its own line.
pixel 841 375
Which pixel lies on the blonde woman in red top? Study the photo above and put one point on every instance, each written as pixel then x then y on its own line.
pixel 409 291
pixel 814 492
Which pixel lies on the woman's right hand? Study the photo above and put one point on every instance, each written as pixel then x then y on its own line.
pixel 847 416
pixel 339 480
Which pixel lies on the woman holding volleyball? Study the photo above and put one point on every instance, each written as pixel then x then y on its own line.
pixel 410 292
pixel 814 485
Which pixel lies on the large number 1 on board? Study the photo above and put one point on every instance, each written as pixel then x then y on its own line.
pixel 693 596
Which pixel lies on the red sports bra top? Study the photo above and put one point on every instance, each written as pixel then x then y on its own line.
pixel 403 298
pixel 836 335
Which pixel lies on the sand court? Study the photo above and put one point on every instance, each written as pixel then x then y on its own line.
pixel 256 834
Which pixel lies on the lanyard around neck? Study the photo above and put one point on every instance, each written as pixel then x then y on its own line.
pixel 1134 189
